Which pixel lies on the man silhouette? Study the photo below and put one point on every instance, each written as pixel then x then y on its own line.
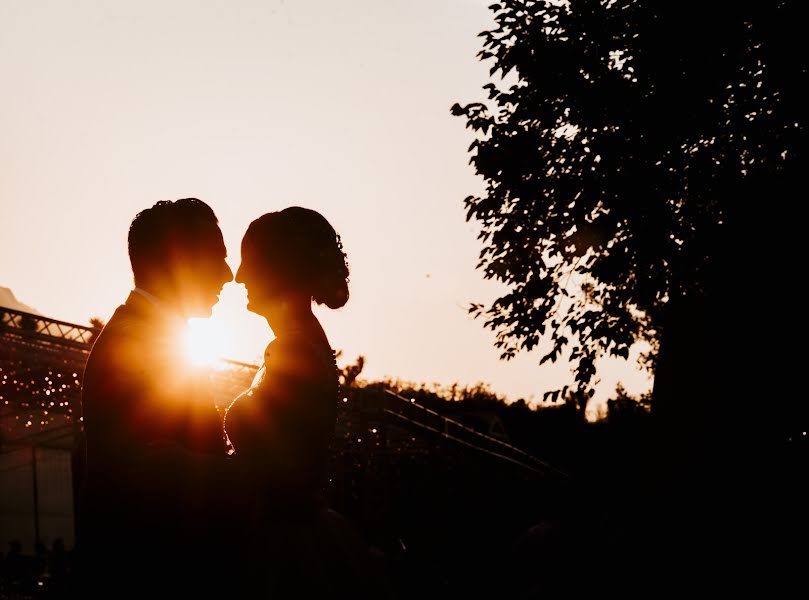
pixel 155 452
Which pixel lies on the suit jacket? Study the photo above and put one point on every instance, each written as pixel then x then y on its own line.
pixel 155 453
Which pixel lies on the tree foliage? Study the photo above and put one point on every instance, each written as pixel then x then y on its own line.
pixel 348 374
pixel 615 145
pixel 96 326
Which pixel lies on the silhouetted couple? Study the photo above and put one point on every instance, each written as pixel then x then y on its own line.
pixel 169 507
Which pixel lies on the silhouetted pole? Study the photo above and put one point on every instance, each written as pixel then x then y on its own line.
pixel 36 493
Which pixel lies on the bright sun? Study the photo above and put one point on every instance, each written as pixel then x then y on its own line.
pixel 205 341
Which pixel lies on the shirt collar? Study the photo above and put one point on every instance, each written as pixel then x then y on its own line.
pixel 160 306
pixel 151 298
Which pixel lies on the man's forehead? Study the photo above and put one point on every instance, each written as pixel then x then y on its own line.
pixel 208 235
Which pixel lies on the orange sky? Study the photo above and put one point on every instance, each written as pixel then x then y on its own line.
pixel 252 106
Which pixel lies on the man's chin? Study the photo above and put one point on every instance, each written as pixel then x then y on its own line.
pixel 200 310
pixel 204 313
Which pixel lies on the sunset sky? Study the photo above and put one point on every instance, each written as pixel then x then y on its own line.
pixel 252 106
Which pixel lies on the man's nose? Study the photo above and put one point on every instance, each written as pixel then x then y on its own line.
pixel 228 273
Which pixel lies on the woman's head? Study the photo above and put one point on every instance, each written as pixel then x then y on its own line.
pixel 293 252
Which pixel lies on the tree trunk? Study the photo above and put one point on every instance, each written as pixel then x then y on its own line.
pixel 728 467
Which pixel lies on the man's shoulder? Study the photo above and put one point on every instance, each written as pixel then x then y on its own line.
pixel 122 326
pixel 124 340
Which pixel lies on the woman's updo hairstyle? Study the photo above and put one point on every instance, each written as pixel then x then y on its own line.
pixel 300 249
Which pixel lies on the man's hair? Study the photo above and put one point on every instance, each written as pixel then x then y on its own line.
pixel 166 225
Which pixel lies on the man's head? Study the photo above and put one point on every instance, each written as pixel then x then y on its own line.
pixel 178 254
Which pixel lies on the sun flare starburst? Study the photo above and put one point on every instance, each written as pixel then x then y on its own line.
pixel 205 341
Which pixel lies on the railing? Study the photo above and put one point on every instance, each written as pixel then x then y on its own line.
pixel 231 377
pixel 41 361
pixel 402 409
pixel 48 330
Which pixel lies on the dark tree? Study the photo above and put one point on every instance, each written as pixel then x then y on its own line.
pixel 618 152
pixel 348 374
pixel 96 326
pixel 623 407
pixel 28 323
pixel 642 163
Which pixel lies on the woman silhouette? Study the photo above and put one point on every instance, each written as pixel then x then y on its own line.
pixel 281 428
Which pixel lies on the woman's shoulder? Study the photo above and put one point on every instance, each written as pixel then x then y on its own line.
pixel 298 353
